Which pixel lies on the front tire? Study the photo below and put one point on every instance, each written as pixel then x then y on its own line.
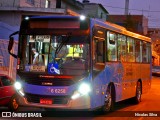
pixel 108 101
pixel 13 104
pixel 137 98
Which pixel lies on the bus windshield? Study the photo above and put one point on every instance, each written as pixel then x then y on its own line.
pixel 62 54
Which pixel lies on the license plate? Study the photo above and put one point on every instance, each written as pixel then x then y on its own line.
pixel 46 101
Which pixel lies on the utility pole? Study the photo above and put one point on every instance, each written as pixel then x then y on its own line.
pixel 126 7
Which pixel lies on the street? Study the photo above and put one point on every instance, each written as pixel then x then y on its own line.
pixel 149 108
pixel 150 105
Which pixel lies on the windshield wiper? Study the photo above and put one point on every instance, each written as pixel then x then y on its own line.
pixel 61 45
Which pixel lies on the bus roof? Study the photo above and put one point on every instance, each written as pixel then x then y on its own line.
pixel 55 17
pixel 119 29
pixel 97 22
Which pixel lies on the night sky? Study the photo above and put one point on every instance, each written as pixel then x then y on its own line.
pixel 148 8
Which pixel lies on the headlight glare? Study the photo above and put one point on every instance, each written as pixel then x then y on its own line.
pixel 82 17
pixel 75 95
pixel 21 92
pixel 84 89
pixel 18 85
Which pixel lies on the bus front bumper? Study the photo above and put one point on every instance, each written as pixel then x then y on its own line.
pixel 82 102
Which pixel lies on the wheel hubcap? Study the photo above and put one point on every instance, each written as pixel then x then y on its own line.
pixel 139 92
pixel 108 101
pixel 139 95
pixel 15 104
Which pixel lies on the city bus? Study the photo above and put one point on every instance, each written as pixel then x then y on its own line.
pixel 79 63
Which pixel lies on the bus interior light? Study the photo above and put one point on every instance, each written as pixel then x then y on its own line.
pixel 100 32
pixel 26 18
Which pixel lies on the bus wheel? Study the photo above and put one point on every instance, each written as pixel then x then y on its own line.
pixel 108 101
pixel 137 98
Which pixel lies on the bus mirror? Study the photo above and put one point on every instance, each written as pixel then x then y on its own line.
pixel 10 45
pixel 11 42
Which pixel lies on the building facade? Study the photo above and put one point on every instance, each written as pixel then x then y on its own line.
pixel 95 10
pixel 12 11
pixel 7 62
pixel 154 34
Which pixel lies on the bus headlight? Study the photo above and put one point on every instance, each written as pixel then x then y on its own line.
pixel 83 89
pixel 18 87
pixel 82 17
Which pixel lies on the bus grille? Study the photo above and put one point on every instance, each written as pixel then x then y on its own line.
pixel 59 82
pixel 35 80
pixel 55 99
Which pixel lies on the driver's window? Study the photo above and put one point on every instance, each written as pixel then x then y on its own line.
pixel 98 54
pixel 98 49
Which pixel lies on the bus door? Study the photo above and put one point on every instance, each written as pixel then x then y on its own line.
pixel 98 69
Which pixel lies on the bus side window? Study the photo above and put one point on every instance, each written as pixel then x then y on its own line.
pixel 130 50
pixel 119 46
pixel 137 51
pixel 123 49
pixel 148 53
pixel 144 52
pixel 111 46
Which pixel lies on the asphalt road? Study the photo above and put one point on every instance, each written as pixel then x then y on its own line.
pixel 149 108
